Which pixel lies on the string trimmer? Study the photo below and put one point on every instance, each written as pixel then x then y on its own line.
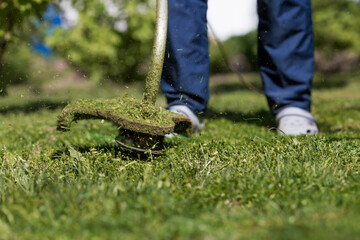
pixel 142 123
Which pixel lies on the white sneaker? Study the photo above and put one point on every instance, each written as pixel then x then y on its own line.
pixel 296 121
pixel 197 125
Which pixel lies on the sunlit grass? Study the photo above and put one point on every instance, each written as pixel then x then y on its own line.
pixel 234 180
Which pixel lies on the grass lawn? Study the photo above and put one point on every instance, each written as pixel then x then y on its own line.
pixel 234 180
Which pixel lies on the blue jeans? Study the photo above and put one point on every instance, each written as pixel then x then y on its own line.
pixel 285 49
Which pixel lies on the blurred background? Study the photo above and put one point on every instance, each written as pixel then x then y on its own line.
pixel 48 45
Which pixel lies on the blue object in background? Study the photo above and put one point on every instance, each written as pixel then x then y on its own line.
pixel 52 18
pixel 41 48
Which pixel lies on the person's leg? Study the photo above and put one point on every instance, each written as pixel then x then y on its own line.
pixel 186 68
pixel 286 60
pixel 286 52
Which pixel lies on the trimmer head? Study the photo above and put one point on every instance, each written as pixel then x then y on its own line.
pixel 142 126
pixel 142 123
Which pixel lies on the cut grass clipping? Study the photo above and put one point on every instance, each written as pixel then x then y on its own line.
pixel 126 112
pixel 142 125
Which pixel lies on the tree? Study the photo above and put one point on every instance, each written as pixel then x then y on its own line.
pixel 111 39
pixel 13 14
pixel 336 25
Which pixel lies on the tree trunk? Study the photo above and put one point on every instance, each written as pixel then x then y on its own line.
pixel 3 44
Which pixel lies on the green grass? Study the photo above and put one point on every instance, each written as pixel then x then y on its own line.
pixel 235 180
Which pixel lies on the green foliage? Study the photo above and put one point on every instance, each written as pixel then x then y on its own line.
pixel 21 65
pixel 336 25
pixel 245 45
pixel 17 64
pixel 13 14
pixel 217 62
pixel 95 47
pixel 237 180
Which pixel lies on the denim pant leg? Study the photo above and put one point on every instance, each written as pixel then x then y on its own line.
pixel 185 74
pixel 286 52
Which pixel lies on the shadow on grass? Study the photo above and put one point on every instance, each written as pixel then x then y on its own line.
pixel 115 150
pixel 260 118
pixel 321 81
pixel 33 106
pixel 331 80
pixel 342 138
pixel 232 87
pixel 329 129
